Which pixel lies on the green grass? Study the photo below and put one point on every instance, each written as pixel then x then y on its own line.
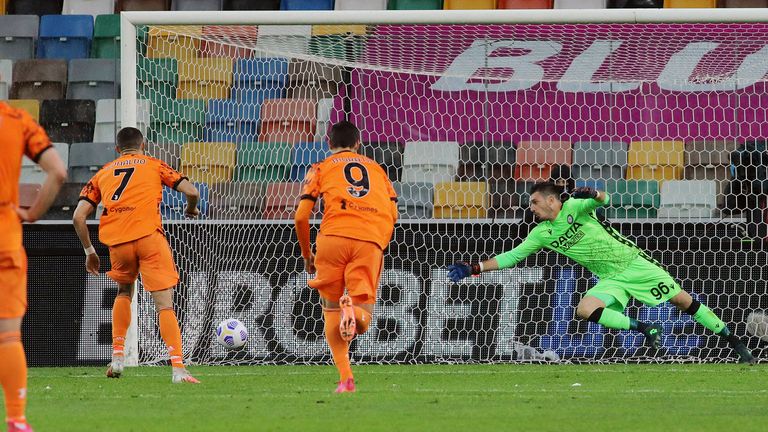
pixel 406 398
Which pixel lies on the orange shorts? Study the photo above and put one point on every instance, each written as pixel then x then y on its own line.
pixel 149 255
pixel 13 284
pixel 344 262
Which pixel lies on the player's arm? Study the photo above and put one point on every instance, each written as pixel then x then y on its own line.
pixel 56 175
pixel 529 246
pixel 84 209
pixel 193 196
pixel 589 199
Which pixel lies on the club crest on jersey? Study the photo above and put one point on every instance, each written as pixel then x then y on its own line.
pixel 357 191
pixel 570 219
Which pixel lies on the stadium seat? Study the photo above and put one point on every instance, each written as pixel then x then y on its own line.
pixel 31 106
pixel 745 3
pixel 469 4
pixel 281 200
pixel 39 79
pixel 304 155
pixel 388 154
pixel 534 159
pixel 324 109
pixel 179 42
pixel 231 121
pixel 6 78
pixel 237 201
pixel 32 173
pixel 206 78
pixel 158 80
pixel 88 7
pixel 509 198
pixel 501 160
pixel 34 7
pixel 306 5
pixel 28 193
pixel 461 200
pixel 430 162
pixel 167 152
pixel 655 160
pixel 636 4
pixel 263 162
pixel 85 158
pixel 174 203
pixel 688 199
pixel 591 183
pixel 473 159
pixel 106 37
pixel 177 121
pixel 196 5
pixel 288 120
pixel 344 42
pixel 142 5
pixel 290 39
pixel 68 120
pixel 581 4
pixel 414 200
pixel 256 80
pixel 93 79
pixel 63 207
pixel 415 4
pixel 251 4
pixel 524 4
pixel 633 198
pixel 208 162
pixel 690 3
pixel 237 35
pixel 18 34
pixel 108 117
pixel 361 5
pixel 709 160
pixel 65 36
pixel 310 80
pixel 599 160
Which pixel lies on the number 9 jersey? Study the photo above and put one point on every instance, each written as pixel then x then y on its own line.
pixel 131 188
pixel 359 200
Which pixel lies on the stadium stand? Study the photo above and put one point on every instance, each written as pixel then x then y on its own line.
pixel 93 79
pixel 39 79
pixel 525 4
pixel 534 159
pixel 88 7
pixel 65 36
pixel 19 34
pixel 709 160
pixel 86 158
pixel 388 155
pixel 633 198
pixel 599 160
pixel 263 162
pixel 63 207
pixel 580 4
pixel 309 80
pixel 174 202
pixel 177 121
pixel 209 48
pixel 288 120
pixel 324 108
pixel 237 201
pixel 251 5
pixel 460 200
pixel 655 160
pixel 415 200
pixel 430 162
pixel 6 78
pixel 304 155
pixel 688 199
pixel 690 3
pixel 281 200
pixel 415 4
pixel 196 5
pixel 68 120
pixel 361 5
pixel 208 162
pixel 106 37
pixel 293 39
pixel 256 80
pixel 34 7
pixel 745 3
pixel 306 5
pixel 472 162
pixel 142 5
pixel 230 120
pixel 31 106
pixel 32 173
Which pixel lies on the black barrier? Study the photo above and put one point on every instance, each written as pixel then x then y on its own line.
pixel 253 272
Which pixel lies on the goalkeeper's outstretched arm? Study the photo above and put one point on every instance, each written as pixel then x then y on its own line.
pixel 461 269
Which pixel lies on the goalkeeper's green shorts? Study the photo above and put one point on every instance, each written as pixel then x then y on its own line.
pixel 643 280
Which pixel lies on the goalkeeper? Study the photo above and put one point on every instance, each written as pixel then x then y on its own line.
pixel 624 270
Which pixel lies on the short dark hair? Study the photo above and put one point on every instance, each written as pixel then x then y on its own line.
pixel 547 188
pixel 129 138
pixel 343 134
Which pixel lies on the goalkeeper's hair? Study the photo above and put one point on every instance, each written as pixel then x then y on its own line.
pixel 547 188
pixel 129 138
pixel 343 134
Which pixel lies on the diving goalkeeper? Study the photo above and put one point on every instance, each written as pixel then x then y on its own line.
pixel 623 269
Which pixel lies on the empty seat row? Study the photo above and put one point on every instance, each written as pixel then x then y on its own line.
pixel 55 79
pixel 27 36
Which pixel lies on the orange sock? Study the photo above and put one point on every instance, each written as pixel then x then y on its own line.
pixel 362 320
pixel 13 375
pixel 169 330
pixel 339 347
pixel 121 319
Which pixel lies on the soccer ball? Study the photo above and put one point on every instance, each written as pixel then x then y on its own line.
pixel 231 333
pixel 757 324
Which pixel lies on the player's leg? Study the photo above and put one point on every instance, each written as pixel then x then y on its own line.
pixel 361 277
pixel 125 269
pixel 706 317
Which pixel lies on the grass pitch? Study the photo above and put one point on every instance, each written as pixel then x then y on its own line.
pixel 508 397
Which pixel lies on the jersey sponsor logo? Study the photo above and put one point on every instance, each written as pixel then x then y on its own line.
pixel 569 238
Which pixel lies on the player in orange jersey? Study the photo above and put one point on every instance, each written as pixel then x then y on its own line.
pixel 131 188
pixel 360 211
pixel 21 136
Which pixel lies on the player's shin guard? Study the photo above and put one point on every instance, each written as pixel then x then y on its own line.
pixel 121 319
pixel 363 320
pixel 339 347
pixel 169 330
pixel 13 375
pixel 704 316
pixel 610 318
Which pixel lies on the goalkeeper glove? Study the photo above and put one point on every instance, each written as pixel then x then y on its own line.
pixel 461 269
pixel 584 192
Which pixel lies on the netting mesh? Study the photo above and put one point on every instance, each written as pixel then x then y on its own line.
pixel 670 119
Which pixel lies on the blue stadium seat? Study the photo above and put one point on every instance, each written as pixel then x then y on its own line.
pixel 65 36
pixel 306 5
pixel 591 183
pixel 174 202
pixel 304 155
pixel 258 79
pixel 228 120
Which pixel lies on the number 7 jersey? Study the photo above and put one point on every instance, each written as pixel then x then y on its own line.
pixel 359 200
pixel 130 188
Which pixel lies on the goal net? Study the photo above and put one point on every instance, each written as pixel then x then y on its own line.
pixel 669 118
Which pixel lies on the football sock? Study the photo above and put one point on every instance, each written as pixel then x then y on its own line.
pixel 704 316
pixel 169 330
pixel 339 347
pixel 121 319
pixel 610 318
pixel 362 320
pixel 13 375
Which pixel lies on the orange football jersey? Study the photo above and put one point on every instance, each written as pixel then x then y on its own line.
pixel 131 188
pixel 21 136
pixel 357 196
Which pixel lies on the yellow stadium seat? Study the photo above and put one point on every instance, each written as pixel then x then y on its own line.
pixel 461 200
pixel 328 30
pixel 208 162
pixel 32 106
pixel 206 78
pixel 690 3
pixel 655 160
pixel 179 42
pixel 469 4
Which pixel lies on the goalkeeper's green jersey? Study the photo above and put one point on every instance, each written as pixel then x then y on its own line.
pixel 579 235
